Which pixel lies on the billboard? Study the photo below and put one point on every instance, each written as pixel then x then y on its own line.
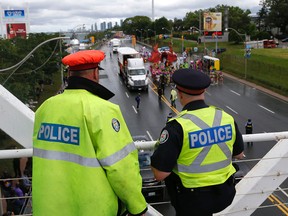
pixel 212 21
pixel 16 30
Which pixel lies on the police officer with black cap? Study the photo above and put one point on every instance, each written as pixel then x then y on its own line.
pixel 195 150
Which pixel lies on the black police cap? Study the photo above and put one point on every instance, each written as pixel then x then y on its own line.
pixel 191 81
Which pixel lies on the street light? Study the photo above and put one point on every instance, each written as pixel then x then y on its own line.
pixel 202 33
pixel 182 38
pixel 171 33
pixel 145 31
pixel 154 35
pixel 73 31
pixel 244 42
pixel 140 33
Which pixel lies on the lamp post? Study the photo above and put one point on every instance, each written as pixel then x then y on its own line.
pixel 202 33
pixel 182 38
pixel 140 33
pixel 145 31
pixel 154 35
pixel 171 34
pixel 73 30
pixel 244 42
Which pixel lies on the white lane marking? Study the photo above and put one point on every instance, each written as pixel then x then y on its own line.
pixel 208 93
pixel 149 135
pixel 266 109
pixel 127 95
pixel 235 92
pixel 134 109
pixel 121 83
pixel 232 109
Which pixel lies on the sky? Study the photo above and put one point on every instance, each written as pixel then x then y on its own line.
pixel 64 15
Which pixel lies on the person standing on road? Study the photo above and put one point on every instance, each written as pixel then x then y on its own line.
pixel 84 159
pixel 160 92
pixel 194 151
pixel 138 100
pixel 249 130
pixel 173 97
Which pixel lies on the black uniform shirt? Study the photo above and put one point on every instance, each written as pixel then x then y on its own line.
pixel 166 155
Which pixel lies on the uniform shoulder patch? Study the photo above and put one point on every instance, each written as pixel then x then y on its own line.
pixel 116 125
pixel 163 137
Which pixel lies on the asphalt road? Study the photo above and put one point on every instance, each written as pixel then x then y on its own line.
pixel 268 114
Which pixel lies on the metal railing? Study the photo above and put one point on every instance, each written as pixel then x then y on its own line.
pixel 257 185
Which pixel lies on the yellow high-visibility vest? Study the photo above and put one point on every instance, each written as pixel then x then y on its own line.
pixel 206 154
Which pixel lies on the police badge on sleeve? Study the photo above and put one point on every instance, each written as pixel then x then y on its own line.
pixel 116 125
pixel 163 137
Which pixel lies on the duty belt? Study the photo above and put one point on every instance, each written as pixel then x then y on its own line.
pixel 182 189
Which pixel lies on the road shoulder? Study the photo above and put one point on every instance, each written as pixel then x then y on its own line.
pixel 260 88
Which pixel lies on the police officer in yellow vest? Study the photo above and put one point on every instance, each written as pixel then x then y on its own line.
pixel 195 149
pixel 84 160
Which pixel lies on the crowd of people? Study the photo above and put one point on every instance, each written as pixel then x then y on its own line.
pixel 13 189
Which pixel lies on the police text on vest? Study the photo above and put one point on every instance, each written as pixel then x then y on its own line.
pixel 59 133
pixel 210 136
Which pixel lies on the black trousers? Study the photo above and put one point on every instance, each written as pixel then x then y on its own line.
pixel 203 201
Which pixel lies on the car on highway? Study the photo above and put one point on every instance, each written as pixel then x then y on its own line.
pixel 285 40
pixel 219 50
pixel 164 49
pixel 153 190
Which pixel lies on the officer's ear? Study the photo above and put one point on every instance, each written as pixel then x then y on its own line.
pixel 180 94
pixel 96 74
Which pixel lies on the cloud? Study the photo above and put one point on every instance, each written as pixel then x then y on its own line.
pixel 54 15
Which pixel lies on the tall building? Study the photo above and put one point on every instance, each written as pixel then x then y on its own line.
pixel 103 26
pixel 109 25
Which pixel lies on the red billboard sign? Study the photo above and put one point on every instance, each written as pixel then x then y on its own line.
pixel 16 30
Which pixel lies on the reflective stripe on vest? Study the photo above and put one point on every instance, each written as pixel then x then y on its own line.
pixel 117 156
pixel 84 161
pixel 196 166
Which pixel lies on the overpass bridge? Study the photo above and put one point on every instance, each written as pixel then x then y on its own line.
pixel 262 182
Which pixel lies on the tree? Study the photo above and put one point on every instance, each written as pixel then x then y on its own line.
pixel 178 24
pixel 261 19
pixel 42 64
pixel 277 15
pixel 192 19
pixel 161 23
pixel 137 22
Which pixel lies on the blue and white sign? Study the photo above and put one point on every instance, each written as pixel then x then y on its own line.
pixel 210 136
pixel 14 14
pixel 59 133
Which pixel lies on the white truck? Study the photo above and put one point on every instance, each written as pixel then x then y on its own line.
pixel 116 43
pixel 132 69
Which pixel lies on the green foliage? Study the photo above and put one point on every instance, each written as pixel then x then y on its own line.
pixel 161 26
pixel 141 23
pixel 192 19
pixel 261 35
pixel 42 64
pixel 266 67
pixel 276 14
